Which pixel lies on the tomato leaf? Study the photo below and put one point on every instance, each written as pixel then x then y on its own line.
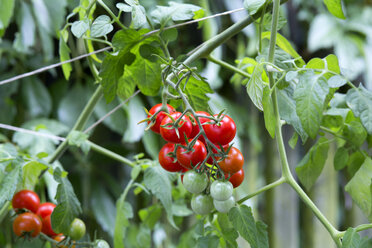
pixel 101 26
pixel 64 54
pixel 209 240
pixel 175 12
pixel 335 8
pixel 351 239
pixel 68 205
pixel 311 166
pixel 310 94
pixel 6 13
pixel 135 113
pixel 254 232
pixel 268 109
pixel 293 141
pixel 252 6
pixel 79 28
pixel 360 102
pixel 359 188
pixel 255 86
pixel 196 91
pixel 341 158
pixel 36 97
pixel 31 172
pixel 150 216
pixel 103 209
pixel 8 184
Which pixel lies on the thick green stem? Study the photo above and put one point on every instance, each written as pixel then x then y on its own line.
pixel 110 154
pixel 228 66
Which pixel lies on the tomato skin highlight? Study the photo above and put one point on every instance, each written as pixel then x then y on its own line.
pixel 184 128
pixel 233 162
pixel 237 178
pixel 45 209
pixel 222 133
pixel 28 223
pixel 167 162
pixel 27 199
pixel 161 115
pixel 192 158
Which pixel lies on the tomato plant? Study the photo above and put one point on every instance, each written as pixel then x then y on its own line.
pixel 177 134
pixel 45 209
pixel 225 205
pixel 237 178
pixel 221 190
pixel 233 162
pixel 168 162
pixel 159 117
pixel 77 229
pixel 190 159
pixel 222 132
pixel 27 199
pixel 194 182
pixel 202 204
pixel 27 224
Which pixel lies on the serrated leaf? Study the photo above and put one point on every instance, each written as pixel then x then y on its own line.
pixel 252 6
pixel 255 86
pixel 310 94
pixel 175 11
pixel 335 8
pixel 360 102
pixel 64 54
pixel 254 232
pixel 359 188
pixel 157 181
pixel 126 39
pixel 341 158
pixel 126 85
pixel 268 108
pixel 336 81
pixel 311 166
pixel 355 133
pixel 9 183
pixel 101 26
pixel 79 28
pixel 68 206
pixel 351 239
pixel 31 172
pixel 196 91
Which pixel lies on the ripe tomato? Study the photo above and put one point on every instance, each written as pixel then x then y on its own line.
pixel 161 115
pixel 47 226
pixel 237 178
pixel 45 209
pixel 224 206
pixel 27 223
pixel 195 128
pixel 184 128
pixel 233 162
pixel 168 162
pixel 221 133
pixel 221 190
pixel 190 159
pixel 59 238
pixel 195 182
pixel 27 199
pixel 201 204
pixel 77 229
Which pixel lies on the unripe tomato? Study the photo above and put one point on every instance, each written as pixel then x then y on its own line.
pixel 224 206
pixel 184 128
pixel 221 190
pixel 27 223
pixel 221 133
pixel 77 229
pixel 167 162
pixel 100 243
pixel 237 178
pixel 161 115
pixel 190 159
pixel 202 204
pixel 27 199
pixel 233 162
pixel 195 182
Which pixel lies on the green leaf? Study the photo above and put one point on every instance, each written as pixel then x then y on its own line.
pixel 268 109
pixel 138 16
pixel 255 86
pixel 127 39
pixel 151 215
pixel 117 121
pixel 196 91
pixel 31 172
pixel 354 162
pixel 157 181
pixel 101 26
pixel 335 8
pixel 310 95
pixel 68 206
pixel 135 113
pixel 112 70
pixel 26 38
pixel 9 183
pixel 360 102
pixel 103 209
pixel 341 158
pixel 36 96
pixel 336 81
pixel 126 85
pixel 268 18
pixel 175 11
pixel 77 138
pixel 359 188
pixel 79 28
pixel 6 13
pixel 252 6
pixel 208 241
pixel 124 7
pixel 355 133
pixel 254 232
pixel 293 141
pixel 311 166
pixel 64 54
pixel 124 212
pixel 181 210
pixel 351 239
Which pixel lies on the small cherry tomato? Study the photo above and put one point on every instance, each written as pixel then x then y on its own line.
pixel 161 115
pixel 167 162
pixel 195 182
pixel 45 209
pixel 195 127
pixel 233 162
pixel 100 243
pixel 47 226
pixel 190 159
pixel 221 190
pixel 59 238
pixel 224 206
pixel 221 133
pixel 27 224
pixel 27 199
pixel 201 204
pixel 237 178
pixel 184 128
pixel 77 229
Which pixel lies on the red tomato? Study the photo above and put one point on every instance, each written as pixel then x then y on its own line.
pixel 47 226
pixel 27 199
pixel 27 223
pixel 161 115
pixel 45 209
pixel 168 162
pixel 210 159
pixel 233 162
pixel 221 133
pixel 195 128
pixel 237 178
pixel 192 158
pixel 184 128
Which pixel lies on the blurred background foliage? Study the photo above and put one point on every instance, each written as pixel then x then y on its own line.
pixel 29 40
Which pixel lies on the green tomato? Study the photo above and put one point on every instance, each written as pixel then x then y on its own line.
pixel 195 182
pixel 77 229
pixel 202 204
pixel 100 243
pixel 221 190
pixel 224 206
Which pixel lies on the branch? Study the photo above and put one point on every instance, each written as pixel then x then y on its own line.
pixel 358 229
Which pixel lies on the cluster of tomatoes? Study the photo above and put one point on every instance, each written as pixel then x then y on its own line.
pixel 33 218
pixel 203 162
